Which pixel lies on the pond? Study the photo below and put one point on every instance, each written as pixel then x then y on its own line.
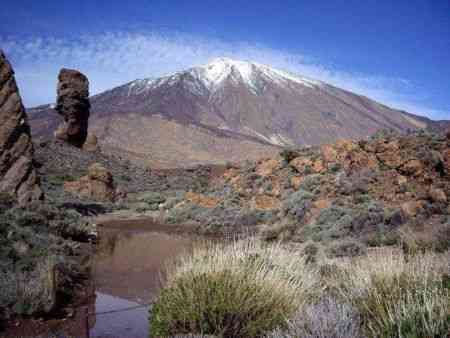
pixel 128 273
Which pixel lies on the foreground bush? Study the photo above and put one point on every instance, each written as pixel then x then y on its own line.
pixel 242 290
pixel 325 319
pixel 399 297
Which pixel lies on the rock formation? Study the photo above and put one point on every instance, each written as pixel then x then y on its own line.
pixel 73 104
pixel 91 143
pixel 17 173
pixel 97 185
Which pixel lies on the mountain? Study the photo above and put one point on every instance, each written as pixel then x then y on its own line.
pixel 227 110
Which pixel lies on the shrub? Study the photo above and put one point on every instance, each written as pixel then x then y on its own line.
pixel 152 198
pixel 356 183
pixel 311 183
pixel 346 248
pixel 244 289
pixel 30 292
pixel 325 319
pixel 59 180
pixel 332 223
pixel 397 297
pixel 297 204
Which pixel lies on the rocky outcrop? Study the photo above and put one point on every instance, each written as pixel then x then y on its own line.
pixel 73 104
pixel 91 143
pixel 97 185
pixel 17 173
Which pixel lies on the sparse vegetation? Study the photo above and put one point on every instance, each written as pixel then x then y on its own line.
pixel 34 243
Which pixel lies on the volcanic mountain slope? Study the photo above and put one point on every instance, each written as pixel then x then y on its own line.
pixel 227 110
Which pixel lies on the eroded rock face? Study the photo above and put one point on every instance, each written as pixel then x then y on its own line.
pixel 73 104
pixel 97 185
pixel 17 173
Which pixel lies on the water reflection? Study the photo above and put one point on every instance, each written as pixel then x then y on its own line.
pixel 127 273
pixel 129 264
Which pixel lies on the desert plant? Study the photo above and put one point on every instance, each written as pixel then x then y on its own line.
pixel 297 204
pixel 243 289
pixel 397 297
pixel 327 318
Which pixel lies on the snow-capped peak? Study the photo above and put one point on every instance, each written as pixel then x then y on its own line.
pixel 212 75
pixel 251 73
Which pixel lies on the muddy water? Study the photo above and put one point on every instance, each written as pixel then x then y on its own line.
pixel 128 272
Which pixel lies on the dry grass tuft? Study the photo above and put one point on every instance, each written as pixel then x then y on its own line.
pixel 399 296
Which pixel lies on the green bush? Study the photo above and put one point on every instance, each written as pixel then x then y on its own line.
pixel 312 183
pixel 332 223
pixel 297 204
pixel 242 290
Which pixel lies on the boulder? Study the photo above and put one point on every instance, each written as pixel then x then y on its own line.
pixel 91 143
pixel 97 185
pixel 412 208
pixel 73 105
pixel 413 167
pixel 18 176
pixel 329 153
pixel 202 200
pixel 296 181
pixel 267 167
pixel 265 202
pixel 437 195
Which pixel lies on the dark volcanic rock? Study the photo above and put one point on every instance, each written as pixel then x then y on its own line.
pixel 73 104
pixel 17 174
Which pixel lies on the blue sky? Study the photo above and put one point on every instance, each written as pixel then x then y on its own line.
pixel 397 52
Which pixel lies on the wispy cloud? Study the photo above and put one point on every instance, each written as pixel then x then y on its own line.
pixel 111 59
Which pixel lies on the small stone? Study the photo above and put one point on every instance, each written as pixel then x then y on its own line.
pixel 401 180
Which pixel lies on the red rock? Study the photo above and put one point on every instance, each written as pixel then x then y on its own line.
pixel 437 195
pixel 97 185
pixel 265 202
pixel 267 167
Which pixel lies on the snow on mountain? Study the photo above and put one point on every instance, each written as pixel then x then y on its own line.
pixel 212 75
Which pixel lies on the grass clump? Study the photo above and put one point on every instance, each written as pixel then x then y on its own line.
pixel 399 297
pixel 244 289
